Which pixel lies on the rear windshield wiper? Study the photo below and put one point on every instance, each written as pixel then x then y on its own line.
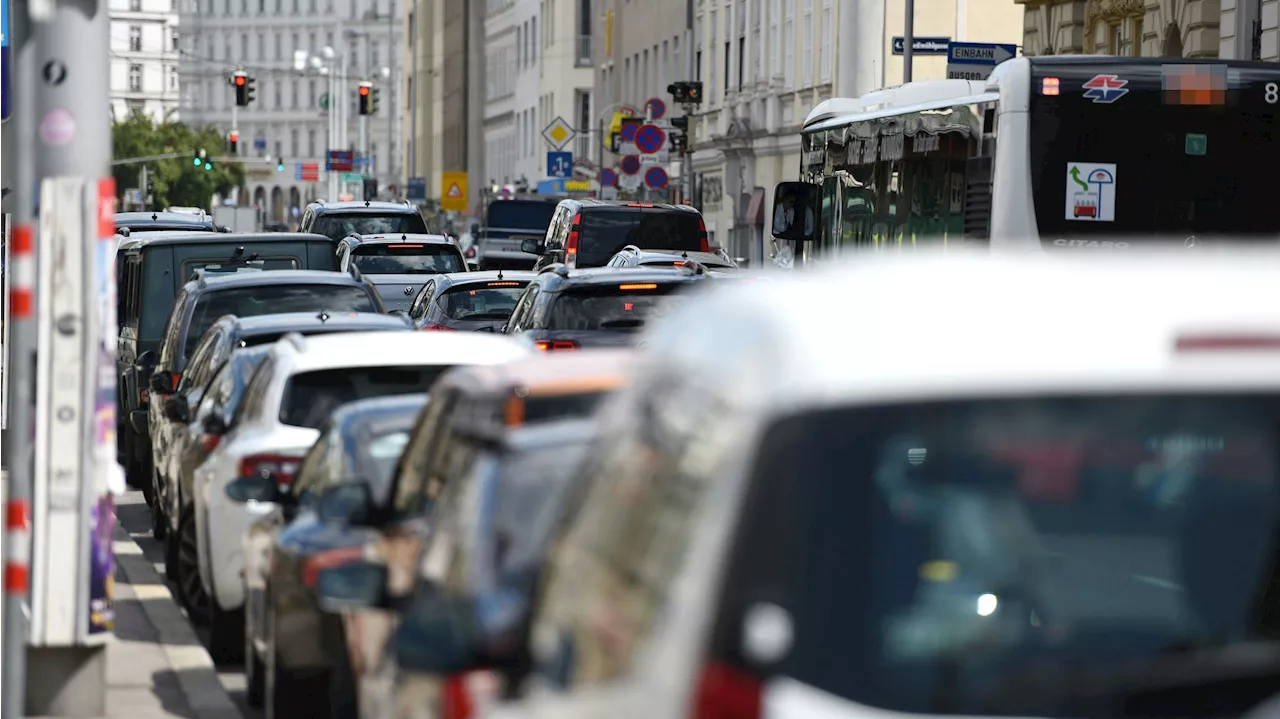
pixel 621 324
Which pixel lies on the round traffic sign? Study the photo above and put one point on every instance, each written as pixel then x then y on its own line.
pixel 650 139
pixel 656 178
pixel 629 131
pixel 630 165
pixel 656 107
pixel 608 178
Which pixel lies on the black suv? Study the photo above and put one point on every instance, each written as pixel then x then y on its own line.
pixel 337 220
pixel 565 309
pixel 127 222
pixel 588 233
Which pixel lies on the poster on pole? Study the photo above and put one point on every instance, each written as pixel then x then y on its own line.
pixel 108 476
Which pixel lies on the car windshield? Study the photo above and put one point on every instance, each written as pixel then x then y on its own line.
pixel 1024 557
pixel 273 299
pixel 481 301
pixel 310 397
pixel 606 231
pixel 337 225
pixel 622 307
pixel 408 259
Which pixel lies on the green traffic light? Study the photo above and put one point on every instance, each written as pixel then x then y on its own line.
pixel 195 161
pixel 208 166
pixel 280 168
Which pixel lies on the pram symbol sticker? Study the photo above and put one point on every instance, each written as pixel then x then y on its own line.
pixel 1091 191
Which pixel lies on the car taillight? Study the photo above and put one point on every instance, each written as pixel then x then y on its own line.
pixel 437 328
pixel 329 559
pixel 571 244
pixel 281 468
pixel 702 236
pixel 548 346
pixel 455 702
pixel 727 693
pixel 210 442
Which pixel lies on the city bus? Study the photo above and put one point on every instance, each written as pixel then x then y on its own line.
pixel 1058 153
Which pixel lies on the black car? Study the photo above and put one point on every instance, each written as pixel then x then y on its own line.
pixel 130 222
pixel 151 268
pixel 600 307
pixel 475 301
pixel 588 233
pixel 337 220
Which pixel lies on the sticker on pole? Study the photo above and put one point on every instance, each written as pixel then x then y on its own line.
pixel 656 178
pixel 630 165
pixel 608 178
pixel 58 128
pixel 650 139
pixel 1091 191
pixel 4 60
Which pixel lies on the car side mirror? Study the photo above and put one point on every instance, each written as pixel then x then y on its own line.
pixel 255 488
pixel 214 424
pixel 793 211
pixel 532 247
pixel 356 585
pixel 163 383
pixel 437 635
pixel 347 503
pixel 175 408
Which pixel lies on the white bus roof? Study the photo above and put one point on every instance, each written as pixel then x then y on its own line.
pixel 897 98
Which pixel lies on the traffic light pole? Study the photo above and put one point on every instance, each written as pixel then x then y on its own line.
pixel 686 167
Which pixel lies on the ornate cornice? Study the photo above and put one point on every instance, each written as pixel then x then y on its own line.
pixel 1109 11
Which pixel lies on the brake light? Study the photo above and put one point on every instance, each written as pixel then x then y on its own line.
pixel 281 467
pixel 502 284
pixel 548 346
pixel 702 235
pixel 727 693
pixel 210 442
pixel 1227 342
pixel 437 328
pixel 416 247
pixel 571 245
pixel 1050 86
pixel 329 559
pixel 513 416
pixel 639 204
pixel 645 286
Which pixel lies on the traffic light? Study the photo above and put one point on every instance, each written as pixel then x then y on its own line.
pixel 233 139
pixel 686 93
pixel 199 157
pixel 208 166
pixel 280 164
pixel 366 98
pixel 240 81
pixel 150 197
pixel 250 92
pixel 375 93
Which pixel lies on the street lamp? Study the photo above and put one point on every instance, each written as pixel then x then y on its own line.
pixel 333 65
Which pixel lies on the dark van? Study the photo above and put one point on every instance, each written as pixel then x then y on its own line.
pixel 151 269
pixel 588 233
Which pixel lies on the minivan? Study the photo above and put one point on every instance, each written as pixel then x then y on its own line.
pixel 588 233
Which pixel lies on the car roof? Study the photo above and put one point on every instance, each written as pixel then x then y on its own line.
pixel 142 219
pixel 975 325
pixel 381 349
pixel 402 237
pixel 457 279
pixel 628 275
pixel 299 321
pixel 576 430
pixel 594 204
pixel 322 207
pixel 275 277
pixel 172 237
pixel 710 259
pixel 546 374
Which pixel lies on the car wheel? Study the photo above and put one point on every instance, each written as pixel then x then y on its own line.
pixel 187 568
pixel 226 634
pixel 159 523
pixel 255 680
pixel 287 694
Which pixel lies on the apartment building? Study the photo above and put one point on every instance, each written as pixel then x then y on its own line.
pixel 1240 29
pixel 566 82
pixel 144 59
pixel 289 117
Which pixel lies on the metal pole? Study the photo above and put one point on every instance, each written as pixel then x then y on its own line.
pixel 333 129
pixel 908 39
pixel 411 139
pixel 391 91
pixel 19 434
pixel 364 145
pixel 600 153
pixel 686 167
pixel 146 201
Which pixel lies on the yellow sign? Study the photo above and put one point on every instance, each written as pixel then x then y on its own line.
pixel 455 191
pixel 577 186
pixel 608 33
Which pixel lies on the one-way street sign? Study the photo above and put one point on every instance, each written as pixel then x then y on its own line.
pixel 976 60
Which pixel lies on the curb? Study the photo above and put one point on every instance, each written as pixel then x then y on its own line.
pixel 186 655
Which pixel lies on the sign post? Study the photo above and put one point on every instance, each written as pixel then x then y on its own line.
pixel 976 60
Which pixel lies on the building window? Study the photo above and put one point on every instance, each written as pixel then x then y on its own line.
pixel 789 47
pixel 135 77
pixel 173 79
pixel 373 53
pixel 135 38
pixel 711 59
pixel 775 39
pixel 262 46
pixel 244 45
pixel 293 142
pixel 279 94
pixel 293 94
pixel 311 143
pixel 311 43
pixel 533 46
pixel 296 42
pixel 137 108
pixel 311 93
pixel 173 39
pixel 806 53
pixel 1136 49
pixel 824 54
pixel 1115 39
pixel 279 151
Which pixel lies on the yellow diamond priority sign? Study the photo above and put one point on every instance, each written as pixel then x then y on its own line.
pixel 558 133
pixel 455 191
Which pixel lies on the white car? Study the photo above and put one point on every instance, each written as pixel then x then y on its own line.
pixel 292 393
pixel 1014 486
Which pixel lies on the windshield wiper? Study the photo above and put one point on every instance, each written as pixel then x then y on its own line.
pixel 488 316
pixel 621 324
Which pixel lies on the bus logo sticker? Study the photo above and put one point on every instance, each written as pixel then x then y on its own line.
pixel 1091 191
pixel 1105 89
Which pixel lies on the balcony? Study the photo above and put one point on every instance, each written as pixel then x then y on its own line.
pixel 582 56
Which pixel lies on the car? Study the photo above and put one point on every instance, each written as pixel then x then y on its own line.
pixel 475 301
pixel 200 304
pixel 151 269
pixel 632 256
pixel 128 223
pixel 289 399
pixel 401 254
pixel 587 233
pixel 337 220
pixel 565 309
pixel 508 221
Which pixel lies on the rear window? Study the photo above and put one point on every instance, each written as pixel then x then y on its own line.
pixel 1024 557
pixel 225 267
pixel 481 301
pixel 271 300
pixel 520 215
pixel 408 259
pixel 310 397
pixel 621 307
pixel 336 226
pixel 561 406
pixel 606 231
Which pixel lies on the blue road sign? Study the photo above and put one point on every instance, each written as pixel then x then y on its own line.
pixel 656 107
pixel 559 164
pixel 979 53
pixel 4 60
pixel 650 139
pixel 259 143
pixel 608 178
pixel 630 165
pixel 922 45
pixel 656 178
pixel 417 189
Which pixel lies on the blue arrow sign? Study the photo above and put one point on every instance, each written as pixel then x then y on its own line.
pixel 980 53
pixel 559 164
pixel 922 45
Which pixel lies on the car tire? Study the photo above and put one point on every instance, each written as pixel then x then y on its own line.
pixel 226 634
pixel 254 678
pixel 159 523
pixel 186 562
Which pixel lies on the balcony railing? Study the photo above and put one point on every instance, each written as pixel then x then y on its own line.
pixel 582 56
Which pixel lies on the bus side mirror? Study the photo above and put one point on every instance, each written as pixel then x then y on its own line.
pixel 794 217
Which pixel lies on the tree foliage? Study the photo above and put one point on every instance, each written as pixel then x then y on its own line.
pixel 177 182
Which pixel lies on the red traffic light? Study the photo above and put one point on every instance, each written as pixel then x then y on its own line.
pixel 364 90
pixel 235 136
pixel 240 80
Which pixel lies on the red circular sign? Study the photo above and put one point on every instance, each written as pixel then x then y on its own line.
pixel 630 165
pixel 656 178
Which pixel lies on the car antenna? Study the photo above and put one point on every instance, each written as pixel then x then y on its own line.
pixel 239 251
pixel 404 236
pixel 499 275
pixel 154 216
pixel 323 316
pixel 366 203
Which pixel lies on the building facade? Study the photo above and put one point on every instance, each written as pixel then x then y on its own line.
pixel 289 117
pixel 1146 28
pixel 502 120
pixel 144 59
pixel 566 82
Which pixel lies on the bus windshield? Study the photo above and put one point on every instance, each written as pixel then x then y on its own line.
pixel 1152 150
pixel 520 215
